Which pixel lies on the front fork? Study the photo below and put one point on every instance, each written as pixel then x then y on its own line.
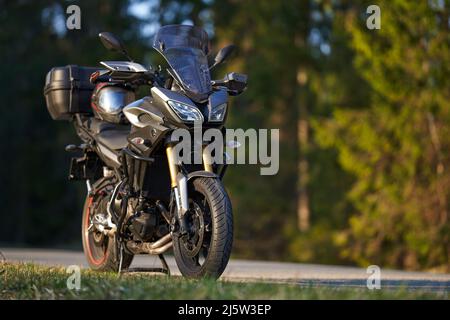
pixel 179 182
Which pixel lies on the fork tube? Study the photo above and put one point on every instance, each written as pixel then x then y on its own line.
pixel 179 191
pixel 173 169
pixel 207 160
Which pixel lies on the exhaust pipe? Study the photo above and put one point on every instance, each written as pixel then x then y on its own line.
pixel 160 250
pixel 157 247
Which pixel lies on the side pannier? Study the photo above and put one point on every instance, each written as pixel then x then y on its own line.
pixel 68 91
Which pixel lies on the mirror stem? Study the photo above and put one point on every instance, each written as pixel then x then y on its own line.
pixel 214 65
pixel 127 56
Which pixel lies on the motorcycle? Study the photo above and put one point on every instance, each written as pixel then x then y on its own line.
pixel 141 199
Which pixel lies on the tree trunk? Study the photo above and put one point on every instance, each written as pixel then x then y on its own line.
pixel 303 213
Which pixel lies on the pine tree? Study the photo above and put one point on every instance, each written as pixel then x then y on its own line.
pixel 396 143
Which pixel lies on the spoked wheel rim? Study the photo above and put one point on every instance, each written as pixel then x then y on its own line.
pixel 96 242
pixel 195 245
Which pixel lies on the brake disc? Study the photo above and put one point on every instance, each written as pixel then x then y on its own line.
pixel 193 242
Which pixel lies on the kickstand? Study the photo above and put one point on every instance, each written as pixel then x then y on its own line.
pixel 121 259
pixel 164 264
pixel 165 267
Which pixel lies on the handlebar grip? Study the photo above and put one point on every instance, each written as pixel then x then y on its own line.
pixel 149 75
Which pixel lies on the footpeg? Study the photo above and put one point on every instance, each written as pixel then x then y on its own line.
pixel 104 225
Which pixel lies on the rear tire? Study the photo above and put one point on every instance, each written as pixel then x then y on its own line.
pixel 209 206
pixel 101 251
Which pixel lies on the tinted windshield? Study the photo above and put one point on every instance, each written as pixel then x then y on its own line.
pixel 185 49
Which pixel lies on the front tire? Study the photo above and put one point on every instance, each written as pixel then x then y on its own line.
pixel 205 251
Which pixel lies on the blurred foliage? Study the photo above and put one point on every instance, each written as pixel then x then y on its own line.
pixel 376 103
pixel 39 205
pixel 396 142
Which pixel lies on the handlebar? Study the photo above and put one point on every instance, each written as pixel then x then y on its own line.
pixel 133 78
pixel 235 83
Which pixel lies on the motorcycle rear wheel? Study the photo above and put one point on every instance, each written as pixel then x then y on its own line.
pixel 100 250
pixel 205 251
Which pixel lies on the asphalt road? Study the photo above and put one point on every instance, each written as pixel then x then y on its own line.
pixel 245 270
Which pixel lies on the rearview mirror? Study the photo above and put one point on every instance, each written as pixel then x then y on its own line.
pixel 111 42
pixel 223 54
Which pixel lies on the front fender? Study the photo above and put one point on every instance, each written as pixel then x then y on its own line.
pixel 181 191
pixel 202 173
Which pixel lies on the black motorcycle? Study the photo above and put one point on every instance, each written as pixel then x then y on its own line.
pixel 141 199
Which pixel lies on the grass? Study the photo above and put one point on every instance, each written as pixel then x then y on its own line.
pixel 30 281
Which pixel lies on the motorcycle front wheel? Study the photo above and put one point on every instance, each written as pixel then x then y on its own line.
pixel 205 250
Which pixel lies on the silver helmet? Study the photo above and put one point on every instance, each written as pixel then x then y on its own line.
pixel 108 101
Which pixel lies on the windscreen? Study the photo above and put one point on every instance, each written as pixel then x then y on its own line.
pixel 185 48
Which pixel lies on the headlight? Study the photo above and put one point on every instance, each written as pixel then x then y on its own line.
pixel 218 113
pixel 185 112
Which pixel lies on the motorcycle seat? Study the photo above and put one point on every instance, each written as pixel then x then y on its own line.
pixel 114 136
